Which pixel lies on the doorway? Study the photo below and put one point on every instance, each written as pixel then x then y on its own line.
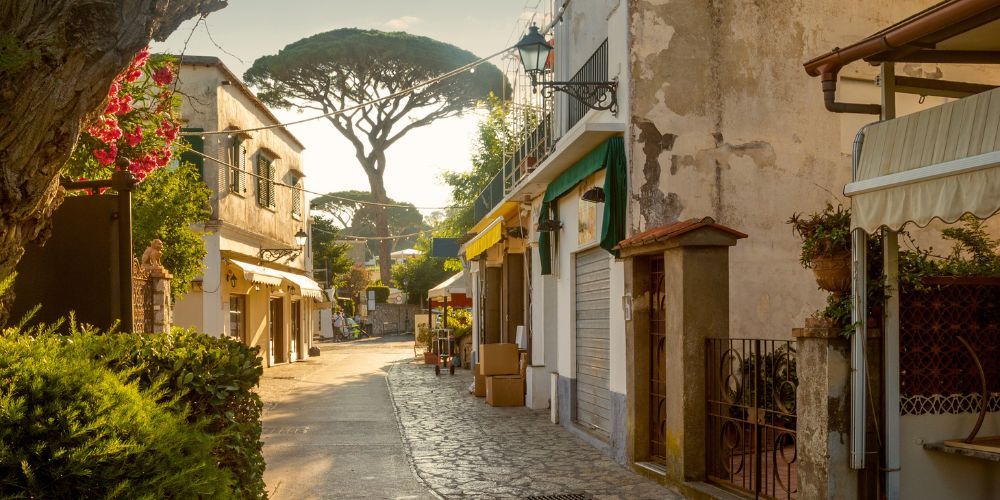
pixel 657 364
pixel 276 334
pixel 296 329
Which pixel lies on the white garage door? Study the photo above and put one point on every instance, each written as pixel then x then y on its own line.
pixel 593 394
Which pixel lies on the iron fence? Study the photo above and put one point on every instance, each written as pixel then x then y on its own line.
pixel 594 70
pixel 750 433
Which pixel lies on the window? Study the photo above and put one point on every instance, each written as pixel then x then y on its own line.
pixel 197 143
pixel 238 171
pixel 237 310
pixel 296 197
pixel 265 181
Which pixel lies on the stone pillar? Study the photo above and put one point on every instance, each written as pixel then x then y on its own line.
pixel 159 284
pixel 696 307
pixel 822 402
pixel 696 280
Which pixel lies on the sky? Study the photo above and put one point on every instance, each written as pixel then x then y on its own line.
pixel 248 29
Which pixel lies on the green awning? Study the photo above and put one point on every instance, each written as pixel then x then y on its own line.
pixel 610 154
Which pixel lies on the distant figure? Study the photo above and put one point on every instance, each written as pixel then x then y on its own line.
pixel 151 257
pixel 338 322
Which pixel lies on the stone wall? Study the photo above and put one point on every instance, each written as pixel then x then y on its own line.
pixel 393 319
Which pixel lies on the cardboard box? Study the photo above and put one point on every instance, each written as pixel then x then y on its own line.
pixel 505 390
pixel 479 390
pixel 499 359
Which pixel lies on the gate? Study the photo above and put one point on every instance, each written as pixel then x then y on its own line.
pixel 142 299
pixel 657 364
pixel 750 387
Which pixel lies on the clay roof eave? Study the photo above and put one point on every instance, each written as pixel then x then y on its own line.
pixel 915 27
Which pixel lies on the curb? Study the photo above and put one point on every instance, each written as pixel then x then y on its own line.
pixel 402 435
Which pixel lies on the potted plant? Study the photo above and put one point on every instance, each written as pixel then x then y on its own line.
pixel 425 337
pixel 826 246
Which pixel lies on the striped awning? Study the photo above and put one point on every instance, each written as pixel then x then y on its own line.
pixel 307 286
pixel 485 239
pixel 937 163
pixel 258 274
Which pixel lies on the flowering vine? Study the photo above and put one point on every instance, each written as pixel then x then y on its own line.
pixel 138 126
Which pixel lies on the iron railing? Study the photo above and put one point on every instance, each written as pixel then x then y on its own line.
pixel 594 70
pixel 750 387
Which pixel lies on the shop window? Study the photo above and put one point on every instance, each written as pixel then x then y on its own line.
pixel 237 316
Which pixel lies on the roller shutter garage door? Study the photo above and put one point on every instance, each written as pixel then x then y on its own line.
pixel 593 393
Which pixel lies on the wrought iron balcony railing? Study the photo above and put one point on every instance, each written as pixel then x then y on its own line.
pixel 594 70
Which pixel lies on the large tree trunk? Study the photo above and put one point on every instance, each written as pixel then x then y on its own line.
pixel 66 54
pixel 377 185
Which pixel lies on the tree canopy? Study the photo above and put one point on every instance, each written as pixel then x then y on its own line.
pixel 418 275
pixel 339 69
pixel 56 65
pixel 360 219
pixel 494 140
pixel 327 253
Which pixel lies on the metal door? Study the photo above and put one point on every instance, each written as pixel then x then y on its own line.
pixel 593 392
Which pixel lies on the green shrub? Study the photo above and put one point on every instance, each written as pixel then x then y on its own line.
pixel 208 378
pixel 73 428
pixel 381 293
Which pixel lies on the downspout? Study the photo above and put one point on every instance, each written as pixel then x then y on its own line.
pixel 830 98
pixel 859 317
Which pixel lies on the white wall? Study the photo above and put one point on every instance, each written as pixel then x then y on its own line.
pixel 928 474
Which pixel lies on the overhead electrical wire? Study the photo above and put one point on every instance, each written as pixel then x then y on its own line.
pixel 432 81
pixel 328 195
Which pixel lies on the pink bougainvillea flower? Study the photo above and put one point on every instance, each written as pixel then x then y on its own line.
pixel 106 157
pixel 134 138
pixel 163 76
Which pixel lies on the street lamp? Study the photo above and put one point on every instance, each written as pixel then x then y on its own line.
pixel 534 52
pixel 274 254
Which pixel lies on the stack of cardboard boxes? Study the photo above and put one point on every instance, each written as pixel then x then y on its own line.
pixel 500 374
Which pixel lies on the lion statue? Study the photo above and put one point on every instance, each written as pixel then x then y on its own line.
pixel 151 257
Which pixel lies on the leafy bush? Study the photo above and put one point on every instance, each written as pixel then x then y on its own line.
pixel 208 378
pixel 71 427
pixel 381 293
pixel 824 234
pixel 204 383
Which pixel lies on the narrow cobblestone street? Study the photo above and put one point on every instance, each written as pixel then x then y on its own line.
pixel 464 448
pixel 330 431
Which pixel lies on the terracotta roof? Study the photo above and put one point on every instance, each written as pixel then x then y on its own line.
pixel 674 230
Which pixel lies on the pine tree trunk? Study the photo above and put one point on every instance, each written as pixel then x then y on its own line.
pixel 377 185
pixel 65 55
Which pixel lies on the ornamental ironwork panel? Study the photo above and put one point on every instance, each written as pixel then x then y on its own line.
pixel 594 70
pixel 657 363
pixel 937 373
pixel 750 433
pixel 142 299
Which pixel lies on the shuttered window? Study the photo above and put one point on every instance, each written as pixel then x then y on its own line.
pixel 238 170
pixel 265 181
pixel 296 197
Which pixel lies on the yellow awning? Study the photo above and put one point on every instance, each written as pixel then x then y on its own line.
pixel 485 239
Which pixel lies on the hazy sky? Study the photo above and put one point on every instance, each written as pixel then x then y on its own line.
pixel 249 29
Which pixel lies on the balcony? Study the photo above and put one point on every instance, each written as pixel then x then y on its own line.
pixel 534 128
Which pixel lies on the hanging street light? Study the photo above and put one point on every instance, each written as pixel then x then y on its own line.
pixel 289 254
pixel 534 52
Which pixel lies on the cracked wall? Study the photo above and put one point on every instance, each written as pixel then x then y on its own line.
pixel 724 122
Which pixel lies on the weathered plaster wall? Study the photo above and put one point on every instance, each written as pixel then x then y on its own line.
pixel 725 123
pixel 929 474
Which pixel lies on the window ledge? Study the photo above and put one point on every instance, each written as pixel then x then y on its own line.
pixel 985 448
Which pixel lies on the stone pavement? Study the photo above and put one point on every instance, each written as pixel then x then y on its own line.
pixel 464 448
pixel 329 430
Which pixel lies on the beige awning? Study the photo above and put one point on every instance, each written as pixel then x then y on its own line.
pixel 258 274
pixel 938 163
pixel 451 286
pixel 307 286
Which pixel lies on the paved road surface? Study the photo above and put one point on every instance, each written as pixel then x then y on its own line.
pixel 329 430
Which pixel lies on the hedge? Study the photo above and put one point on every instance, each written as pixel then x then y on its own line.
pixel 204 383
pixel 381 293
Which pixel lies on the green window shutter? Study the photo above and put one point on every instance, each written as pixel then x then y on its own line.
pixel 270 183
pixel 197 143
pixel 242 181
pixel 261 172
pixel 234 162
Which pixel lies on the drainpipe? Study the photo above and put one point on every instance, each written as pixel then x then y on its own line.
pixel 859 317
pixel 830 99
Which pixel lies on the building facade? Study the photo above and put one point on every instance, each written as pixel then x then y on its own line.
pixel 724 138
pixel 257 286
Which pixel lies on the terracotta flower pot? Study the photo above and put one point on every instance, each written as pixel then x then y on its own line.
pixel 833 273
pixel 430 358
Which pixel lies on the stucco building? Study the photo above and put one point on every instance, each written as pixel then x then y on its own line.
pixel 723 138
pixel 257 285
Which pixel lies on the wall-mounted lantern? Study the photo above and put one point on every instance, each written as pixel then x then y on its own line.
pixel 534 51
